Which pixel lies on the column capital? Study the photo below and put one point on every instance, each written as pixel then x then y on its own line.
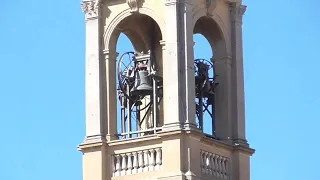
pixel 163 44
pixel 171 2
pixel 91 8
pixel 222 60
pixel 109 54
pixel 237 11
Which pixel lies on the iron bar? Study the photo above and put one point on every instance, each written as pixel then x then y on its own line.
pixel 155 103
pixel 123 113
pixel 129 112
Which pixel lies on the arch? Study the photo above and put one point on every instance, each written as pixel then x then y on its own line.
pixel 110 31
pixel 219 39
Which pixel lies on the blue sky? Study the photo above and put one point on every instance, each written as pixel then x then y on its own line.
pixel 42 51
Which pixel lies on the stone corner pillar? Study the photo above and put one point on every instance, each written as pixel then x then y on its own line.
pixel 111 94
pixel 95 118
pixel 178 69
pixel 238 112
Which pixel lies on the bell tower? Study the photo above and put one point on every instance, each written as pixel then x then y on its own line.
pixel 146 110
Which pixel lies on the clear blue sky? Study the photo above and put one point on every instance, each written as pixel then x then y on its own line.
pixel 42 51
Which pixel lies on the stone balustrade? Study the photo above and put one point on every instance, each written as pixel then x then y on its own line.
pixel 215 165
pixel 137 162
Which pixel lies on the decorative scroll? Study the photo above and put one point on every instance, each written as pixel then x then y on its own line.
pixel 134 5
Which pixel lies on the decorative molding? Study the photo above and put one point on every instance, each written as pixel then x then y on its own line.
pixel 237 11
pixel 170 2
pixel 134 5
pixel 90 8
pixel 211 5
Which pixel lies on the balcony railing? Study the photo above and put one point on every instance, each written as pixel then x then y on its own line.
pixel 137 162
pixel 214 165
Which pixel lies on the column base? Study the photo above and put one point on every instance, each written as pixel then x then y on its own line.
pixel 190 176
pixel 241 142
pixel 92 141
pixel 191 127
pixel 173 127
pixel 111 137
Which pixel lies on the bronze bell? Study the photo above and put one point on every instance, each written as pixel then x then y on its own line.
pixel 143 85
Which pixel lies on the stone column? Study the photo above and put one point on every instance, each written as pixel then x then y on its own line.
pixel 223 99
pixel 173 74
pixel 188 59
pixel 111 94
pixel 178 69
pixel 95 125
pixel 238 129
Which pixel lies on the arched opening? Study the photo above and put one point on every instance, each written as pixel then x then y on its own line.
pixel 207 44
pixel 124 45
pixel 203 54
pixel 138 76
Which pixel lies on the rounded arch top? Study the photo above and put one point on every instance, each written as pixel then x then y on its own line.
pixel 217 34
pixel 112 25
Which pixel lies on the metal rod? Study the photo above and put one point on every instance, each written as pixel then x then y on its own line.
pixel 213 115
pixel 129 112
pixel 201 110
pixel 138 118
pixel 141 131
pixel 155 104
pixel 123 113
pixel 144 116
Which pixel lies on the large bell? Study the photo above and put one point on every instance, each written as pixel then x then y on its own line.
pixel 143 85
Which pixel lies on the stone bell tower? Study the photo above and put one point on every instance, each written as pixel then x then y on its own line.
pixel 146 110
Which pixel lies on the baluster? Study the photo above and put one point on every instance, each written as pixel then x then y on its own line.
pixel 123 164
pixel 209 162
pixel 158 159
pixel 206 162
pixel 113 164
pixel 217 166
pixel 213 164
pixel 224 167
pixel 135 163
pixel 220 166
pixel 202 158
pixel 152 161
pixel 145 159
pixel 227 168
pixel 129 156
pixel 118 165
pixel 141 164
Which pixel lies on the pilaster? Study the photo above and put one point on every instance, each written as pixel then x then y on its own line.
pixel 173 75
pixel 111 94
pixel 95 124
pixel 95 161
pixel 223 98
pixel 241 163
pixel 238 132
pixel 188 60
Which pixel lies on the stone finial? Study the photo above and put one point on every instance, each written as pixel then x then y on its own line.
pixel 134 5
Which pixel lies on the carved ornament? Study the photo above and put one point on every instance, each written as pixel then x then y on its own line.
pixel 90 7
pixel 238 9
pixel 211 5
pixel 134 5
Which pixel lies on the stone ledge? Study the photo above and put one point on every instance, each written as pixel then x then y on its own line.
pixel 92 142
